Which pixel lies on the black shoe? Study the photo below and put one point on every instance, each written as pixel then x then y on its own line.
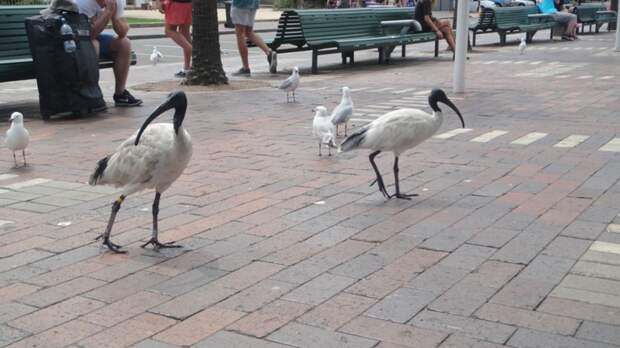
pixel 126 99
pixel 272 58
pixel 242 72
pixel 181 74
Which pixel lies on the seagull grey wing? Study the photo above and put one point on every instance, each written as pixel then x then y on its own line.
pixel 342 114
pixel 287 83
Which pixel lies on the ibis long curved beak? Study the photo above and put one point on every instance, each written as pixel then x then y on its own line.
pixel 453 107
pixel 175 100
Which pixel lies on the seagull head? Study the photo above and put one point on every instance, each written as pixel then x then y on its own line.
pixel 175 100
pixel 439 96
pixel 295 70
pixel 346 90
pixel 17 117
pixel 320 111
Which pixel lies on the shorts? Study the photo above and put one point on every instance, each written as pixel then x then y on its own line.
pixel 243 16
pixel 179 13
pixel 563 18
pixel 105 41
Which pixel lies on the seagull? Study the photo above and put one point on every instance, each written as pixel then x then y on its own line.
pixel 156 56
pixel 398 131
pixel 522 45
pixel 343 112
pixel 17 137
pixel 291 83
pixel 153 157
pixel 323 129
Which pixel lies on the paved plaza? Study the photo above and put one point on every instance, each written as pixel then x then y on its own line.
pixel 514 240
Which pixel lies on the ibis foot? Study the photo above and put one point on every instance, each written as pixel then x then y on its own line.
pixel 158 245
pixel 405 196
pixel 115 248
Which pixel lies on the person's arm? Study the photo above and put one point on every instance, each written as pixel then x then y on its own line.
pixel 431 23
pixel 120 26
pixel 99 22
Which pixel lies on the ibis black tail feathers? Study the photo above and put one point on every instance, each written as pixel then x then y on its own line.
pixel 354 140
pixel 98 173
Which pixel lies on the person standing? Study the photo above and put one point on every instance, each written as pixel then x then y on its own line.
pixel 243 14
pixel 178 18
pixel 115 47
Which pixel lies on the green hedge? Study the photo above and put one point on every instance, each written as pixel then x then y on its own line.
pixel 24 2
pixel 283 4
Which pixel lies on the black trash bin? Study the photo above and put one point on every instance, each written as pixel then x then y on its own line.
pixel 229 23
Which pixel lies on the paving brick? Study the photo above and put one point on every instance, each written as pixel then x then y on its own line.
pixel 580 310
pixel 23 245
pixel 22 258
pixel 12 310
pixel 61 292
pixel 601 257
pixel 269 318
pixel 293 254
pixel 592 269
pixel 188 281
pixel 401 305
pixel 528 319
pixel 249 275
pixel 60 336
pixel 360 266
pixel 599 332
pixel 493 237
pixel 122 269
pixel 198 326
pixel 126 286
pixel 525 246
pixel 534 339
pixel 9 335
pixel 337 311
pixel 55 315
pixel 606 286
pixel 438 279
pixel 319 289
pixel 479 329
pixel 386 331
pixel 231 339
pixel 461 341
pixel 68 258
pixel 150 343
pixel 128 332
pixel 300 335
pixel 257 295
pixel 15 291
pixel 586 296
pixel 124 309
pixel 571 248
pixel 468 257
pixel 19 274
pixel 194 301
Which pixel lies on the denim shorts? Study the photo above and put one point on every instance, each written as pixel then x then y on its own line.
pixel 105 41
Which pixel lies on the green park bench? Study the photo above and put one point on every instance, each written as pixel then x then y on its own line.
pixel 344 31
pixel 15 58
pixel 594 14
pixel 484 24
pixel 521 19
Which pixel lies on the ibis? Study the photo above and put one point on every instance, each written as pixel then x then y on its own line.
pixel 17 136
pixel 156 56
pixel 343 112
pixel 522 45
pixel 152 158
pixel 323 129
pixel 290 84
pixel 398 131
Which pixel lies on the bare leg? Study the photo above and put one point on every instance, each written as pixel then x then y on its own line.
pixel 121 49
pixel 154 240
pixel 398 194
pixel 174 32
pixel 24 155
pixel 243 49
pixel 116 206
pixel 446 29
pixel 379 179
pixel 257 40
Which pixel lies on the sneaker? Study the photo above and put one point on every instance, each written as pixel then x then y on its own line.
pixel 181 74
pixel 126 99
pixel 272 58
pixel 242 72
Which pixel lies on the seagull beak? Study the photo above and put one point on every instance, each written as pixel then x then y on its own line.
pixel 176 100
pixel 453 107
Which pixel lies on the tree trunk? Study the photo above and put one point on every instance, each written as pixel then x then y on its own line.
pixel 207 66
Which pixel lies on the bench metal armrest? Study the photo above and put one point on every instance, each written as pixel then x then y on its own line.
pixel 605 12
pixel 404 23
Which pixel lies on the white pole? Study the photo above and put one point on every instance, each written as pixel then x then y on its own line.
pixel 461 46
pixel 617 46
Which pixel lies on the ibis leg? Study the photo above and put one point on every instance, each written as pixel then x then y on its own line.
pixel 154 241
pixel 24 156
pixel 15 159
pixel 398 194
pixel 116 206
pixel 379 179
pixel 329 149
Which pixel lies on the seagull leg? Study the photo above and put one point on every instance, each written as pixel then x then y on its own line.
pixel 156 243
pixel 14 159
pixel 329 149
pixel 320 154
pixel 345 128
pixel 294 100
pixel 116 206
pixel 24 155
pixel 379 179
pixel 398 194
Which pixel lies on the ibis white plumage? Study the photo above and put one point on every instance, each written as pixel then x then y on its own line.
pixel 156 56
pixel 522 45
pixel 290 84
pixel 343 112
pixel 17 136
pixel 398 131
pixel 323 129
pixel 152 158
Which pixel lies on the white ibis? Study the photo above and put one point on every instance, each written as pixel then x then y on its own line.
pixel 343 112
pixel 153 157
pixel 156 56
pixel 323 129
pixel 290 84
pixel 17 136
pixel 398 131
pixel 522 45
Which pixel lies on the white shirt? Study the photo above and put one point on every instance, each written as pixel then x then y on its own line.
pixel 92 9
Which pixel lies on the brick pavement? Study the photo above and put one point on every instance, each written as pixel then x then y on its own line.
pixel 510 243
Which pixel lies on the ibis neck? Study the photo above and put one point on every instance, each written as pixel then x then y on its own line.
pixel 438 119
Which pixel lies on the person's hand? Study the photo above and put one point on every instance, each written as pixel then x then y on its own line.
pixel 110 7
pixel 159 5
pixel 439 34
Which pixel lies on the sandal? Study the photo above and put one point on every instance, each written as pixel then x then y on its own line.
pixel 567 38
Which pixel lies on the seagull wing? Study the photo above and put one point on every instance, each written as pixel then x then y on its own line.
pixel 286 84
pixel 342 113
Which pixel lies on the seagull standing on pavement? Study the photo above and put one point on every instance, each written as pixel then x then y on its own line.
pixel 290 84
pixel 323 129
pixel 17 137
pixel 522 45
pixel 343 112
pixel 398 131
pixel 153 157
pixel 156 56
